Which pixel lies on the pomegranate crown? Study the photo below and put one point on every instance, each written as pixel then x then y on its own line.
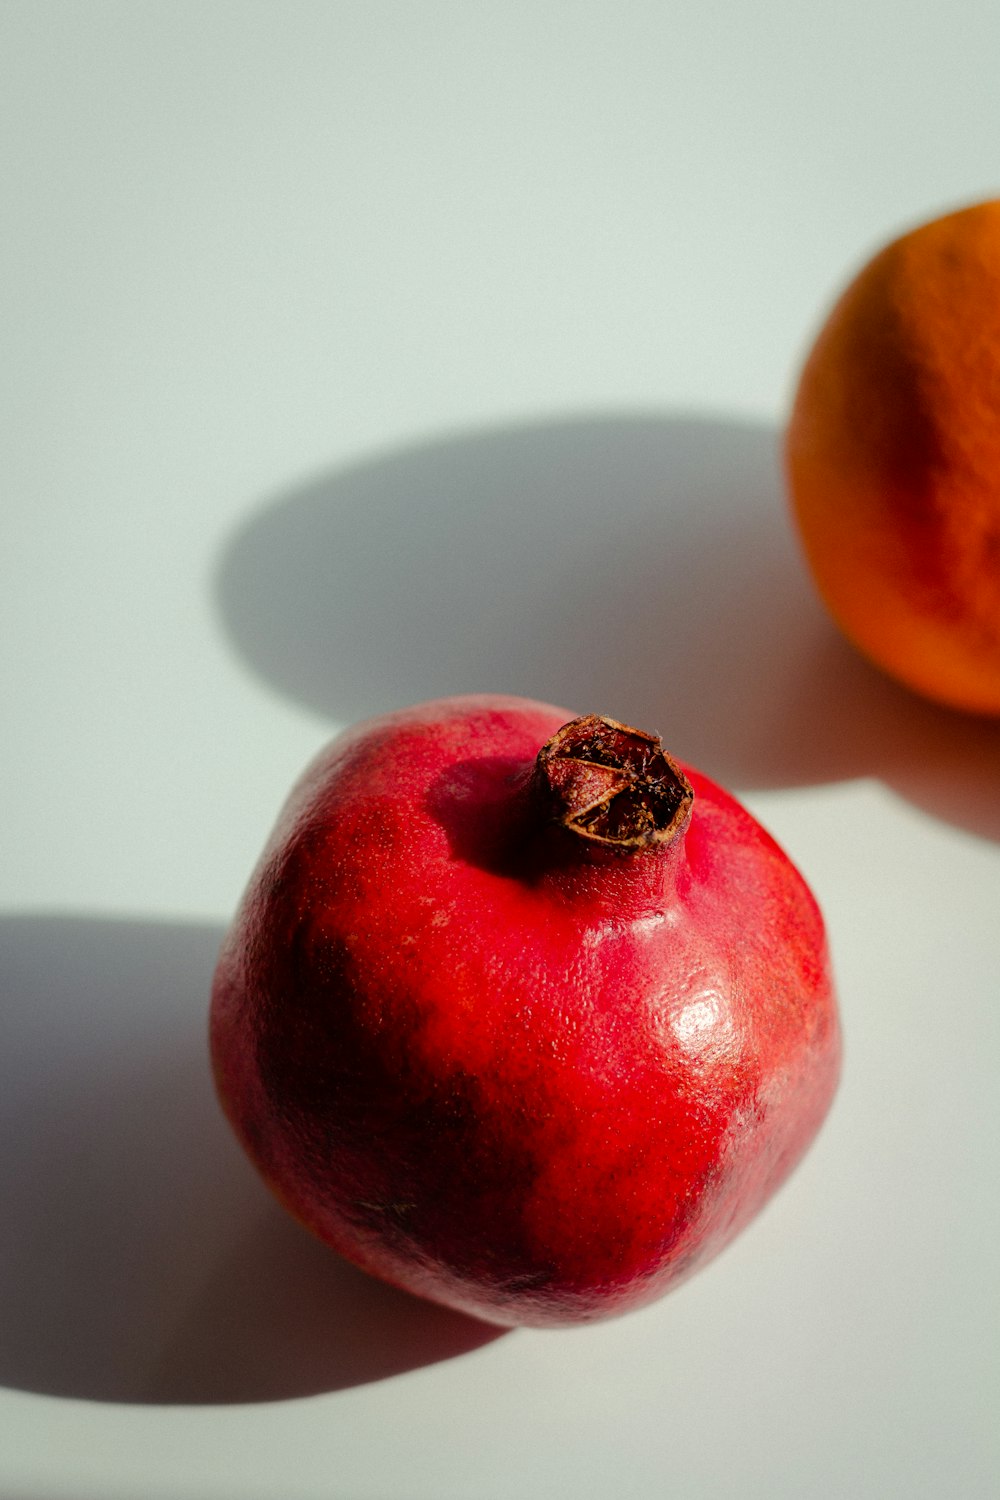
pixel 613 784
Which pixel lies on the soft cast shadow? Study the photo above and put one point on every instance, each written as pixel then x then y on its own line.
pixel 642 567
pixel 140 1258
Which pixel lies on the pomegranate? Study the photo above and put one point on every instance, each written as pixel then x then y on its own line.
pixel 520 1015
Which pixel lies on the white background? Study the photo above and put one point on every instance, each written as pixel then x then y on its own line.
pixel 358 353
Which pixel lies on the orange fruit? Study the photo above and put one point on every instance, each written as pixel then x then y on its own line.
pixel 893 459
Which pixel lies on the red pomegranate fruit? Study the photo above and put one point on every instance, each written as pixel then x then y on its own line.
pixel 520 1015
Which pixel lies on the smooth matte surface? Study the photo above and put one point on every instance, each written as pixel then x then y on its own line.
pixel 341 343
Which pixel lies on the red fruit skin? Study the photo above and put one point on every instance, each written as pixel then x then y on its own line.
pixel 529 1078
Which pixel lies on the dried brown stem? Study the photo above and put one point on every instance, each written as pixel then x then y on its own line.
pixel 612 784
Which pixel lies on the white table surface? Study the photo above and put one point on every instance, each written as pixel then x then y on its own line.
pixel 358 353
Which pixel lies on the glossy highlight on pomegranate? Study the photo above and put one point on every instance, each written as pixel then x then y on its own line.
pixel 519 1014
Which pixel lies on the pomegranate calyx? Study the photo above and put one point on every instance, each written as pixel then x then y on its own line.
pixel 613 784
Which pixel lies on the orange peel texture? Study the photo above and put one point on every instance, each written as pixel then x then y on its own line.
pixel 893 459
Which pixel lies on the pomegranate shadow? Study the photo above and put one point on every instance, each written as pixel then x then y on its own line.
pixel 640 566
pixel 141 1260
